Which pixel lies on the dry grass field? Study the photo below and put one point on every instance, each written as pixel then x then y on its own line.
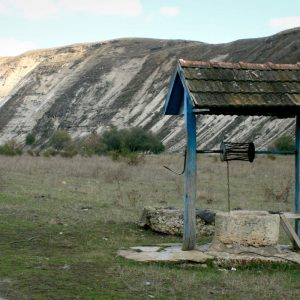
pixel 63 220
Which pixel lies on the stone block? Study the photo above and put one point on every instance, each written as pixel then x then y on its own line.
pixel 170 221
pixel 247 228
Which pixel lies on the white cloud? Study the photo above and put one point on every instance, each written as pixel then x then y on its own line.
pixel 11 47
pixel 285 23
pixel 2 8
pixel 31 9
pixel 105 7
pixel 40 9
pixel 37 9
pixel 169 11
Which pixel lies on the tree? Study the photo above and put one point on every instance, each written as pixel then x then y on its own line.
pixel 30 139
pixel 60 139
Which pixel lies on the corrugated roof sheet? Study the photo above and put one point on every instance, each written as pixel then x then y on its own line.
pixel 243 87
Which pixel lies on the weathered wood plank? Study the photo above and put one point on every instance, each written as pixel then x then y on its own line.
pixel 291 216
pixel 189 216
pixel 289 231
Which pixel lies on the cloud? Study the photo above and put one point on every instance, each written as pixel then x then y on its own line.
pixel 37 9
pixel 30 9
pixel 105 7
pixel 285 23
pixel 3 9
pixel 40 9
pixel 169 11
pixel 11 46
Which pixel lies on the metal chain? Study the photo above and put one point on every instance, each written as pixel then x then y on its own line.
pixel 228 186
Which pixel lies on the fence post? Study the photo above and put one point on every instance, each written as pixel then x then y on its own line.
pixel 190 176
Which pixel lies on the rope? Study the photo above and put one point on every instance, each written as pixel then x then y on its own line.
pixel 228 186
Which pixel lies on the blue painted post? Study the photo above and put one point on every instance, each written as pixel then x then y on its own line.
pixel 297 173
pixel 189 215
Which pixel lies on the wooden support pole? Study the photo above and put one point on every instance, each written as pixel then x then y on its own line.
pixel 189 215
pixel 297 173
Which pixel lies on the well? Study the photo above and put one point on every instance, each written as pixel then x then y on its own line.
pixel 247 228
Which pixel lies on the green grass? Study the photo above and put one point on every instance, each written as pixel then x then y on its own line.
pixel 62 222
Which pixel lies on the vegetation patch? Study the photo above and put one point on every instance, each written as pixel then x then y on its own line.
pixel 10 148
pixel 62 222
pixel 283 143
pixel 126 144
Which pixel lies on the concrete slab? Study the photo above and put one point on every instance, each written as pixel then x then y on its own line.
pixel 231 257
pixel 225 259
pixel 146 249
pixel 168 254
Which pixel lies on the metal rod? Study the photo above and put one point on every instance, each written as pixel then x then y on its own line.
pixel 200 110
pixel 275 152
pixel 208 151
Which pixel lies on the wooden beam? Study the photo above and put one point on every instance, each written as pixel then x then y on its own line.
pixel 290 231
pixel 291 216
pixel 297 173
pixel 190 178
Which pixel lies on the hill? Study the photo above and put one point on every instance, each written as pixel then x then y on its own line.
pixel 86 88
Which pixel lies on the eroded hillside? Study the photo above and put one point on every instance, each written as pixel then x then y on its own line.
pixel 88 87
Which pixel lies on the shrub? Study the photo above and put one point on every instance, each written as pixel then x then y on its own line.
pixel 137 139
pixel 60 139
pixel 30 139
pixel 131 140
pixel 69 151
pixel 10 148
pixel 7 150
pixel 283 143
pixel 30 152
pixel 134 159
pixel 115 155
pixel 50 152
pixel 113 140
pixel 92 145
pixel 119 144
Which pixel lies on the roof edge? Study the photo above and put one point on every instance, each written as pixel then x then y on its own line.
pixel 240 65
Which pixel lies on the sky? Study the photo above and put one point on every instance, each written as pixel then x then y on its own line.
pixel 36 24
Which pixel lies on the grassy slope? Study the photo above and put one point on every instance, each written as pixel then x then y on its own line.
pixel 62 221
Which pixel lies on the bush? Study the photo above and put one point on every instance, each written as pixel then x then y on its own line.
pixel 139 140
pixel 115 155
pixel 131 140
pixel 113 140
pixel 30 139
pixel 70 151
pixel 50 152
pixel 134 159
pixel 126 144
pixel 10 148
pixel 283 143
pixel 30 152
pixel 92 145
pixel 60 139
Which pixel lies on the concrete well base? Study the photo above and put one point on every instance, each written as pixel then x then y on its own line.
pixel 247 228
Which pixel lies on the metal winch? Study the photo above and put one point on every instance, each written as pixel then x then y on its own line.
pixel 237 151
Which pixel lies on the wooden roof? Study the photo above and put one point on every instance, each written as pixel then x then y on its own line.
pixel 236 88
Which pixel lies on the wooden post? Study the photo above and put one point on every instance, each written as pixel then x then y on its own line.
pixel 189 215
pixel 297 173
